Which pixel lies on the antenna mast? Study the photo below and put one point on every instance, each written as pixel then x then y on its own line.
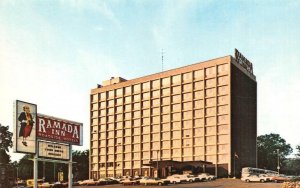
pixel 162 59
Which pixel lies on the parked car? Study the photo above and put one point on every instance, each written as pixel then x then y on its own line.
pixel 88 182
pixel 154 181
pixel 106 181
pixel 280 178
pixel 129 181
pixel 206 177
pixel 177 178
pixel 192 178
pixel 255 178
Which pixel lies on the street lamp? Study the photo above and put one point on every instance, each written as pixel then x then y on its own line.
pixel 278 167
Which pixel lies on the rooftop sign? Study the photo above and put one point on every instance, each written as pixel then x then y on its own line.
pixel 244 62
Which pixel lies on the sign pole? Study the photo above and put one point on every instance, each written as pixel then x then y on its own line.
pixel 35 170
pixel 70 169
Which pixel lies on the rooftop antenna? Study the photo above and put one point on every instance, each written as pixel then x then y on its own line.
pixel 162 59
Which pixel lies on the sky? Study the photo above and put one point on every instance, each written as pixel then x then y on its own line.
pixel 53 52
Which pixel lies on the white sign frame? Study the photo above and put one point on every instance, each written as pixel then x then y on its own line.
pixel 52 150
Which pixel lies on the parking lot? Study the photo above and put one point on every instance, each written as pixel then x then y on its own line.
pixel 219 183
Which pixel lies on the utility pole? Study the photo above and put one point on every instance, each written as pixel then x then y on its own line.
pixel 278 166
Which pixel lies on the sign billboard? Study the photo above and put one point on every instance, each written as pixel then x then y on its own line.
pixel 54 150
pixel 59 130
pixel 24 127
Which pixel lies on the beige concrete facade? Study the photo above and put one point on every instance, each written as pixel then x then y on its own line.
pixel 182 114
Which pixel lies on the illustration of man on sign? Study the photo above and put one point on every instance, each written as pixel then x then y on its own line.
pixel 26 121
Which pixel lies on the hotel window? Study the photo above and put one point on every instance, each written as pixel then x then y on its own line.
pixel 127 148
pixel 128 90
pixel 110 111
pixel 137 88
pixel 166 144
pixel 119 157
pixel 210 131
pixel 187 142
pixel 210 111
pixel 111 134
pixel 210 83
pixel 187 106
pixel 136 139
pixel 187 77
pixel 95 106
pixel 210 92
pixel 127 132
pixel 166 136
pixel 222 109
pixel 176 79
pixel 95 121
pixel 119 148
pixel 199 74
pixel 223 129
pixel 210 71
pixel 210 102
pixel 176 90
pixel 95 114
pixel 127 107
pixel 176 107
pixel 119 133
pixel 199 141
pixel 210 121
pixel 187 115
pixel 111 118
pixel 166 101
pixel 103 112
pixel 155 94
pixel 127 164
pixel 166 92
pixel 223 100
pixel 137 106
pixel 176 143
pixel 119 109
pixel 111 94
pixel 210 149
pixel 166 118
pixel 198 85
pixel 119 92
pixel 127 140
pixel 155 128
pixel 176 125
pixel 146 113
pixel 146 129
pixel 102 127
pixel 165 109
pixel 222 159
pixel 187 88
pixel 223 119
pixel 155 102
pixel 198 113
pixel 146 86
pixel 127 156
pixel 187 133
pixel 136 98
pixel 102 159
pixel 223 139
pixel 137 122
pixel 165 82
pixel 155 111
pixel 223 148
pixel 176 152
pixel 128 124
pixel 187 96
pixel 127 99
pixel 175 117
pixel 146 146
pixel 223 68
pixel 155 84
pixel 110 103
pixel 176 99
pixel 176 134
pixel 187 152
pixel 198 104
pixel 156 119
pixel 222 90
pixel 156 137
pixel 146 104
pixel 210 140
pixel 198 132
pixel 188 124
pixel 146 155
pixel 146 121
pixel 137 131
pixel 136 114
pixel 110 142
pixel 110 150
pixel 102 104
pixel 102 96
pixel 198 94
pixel 136 156
pixel 146 95
pixel 198 150
pixel 155 145
pixel 165 153
pixel 223 80
pixel 128 116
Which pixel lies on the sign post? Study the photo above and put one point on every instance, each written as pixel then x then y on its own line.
pixel 70 175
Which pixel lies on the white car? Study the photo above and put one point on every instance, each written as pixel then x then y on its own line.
pixel 255 178
pixel 206 177
pixel 154 181
pixel 178 178
pixel 88 182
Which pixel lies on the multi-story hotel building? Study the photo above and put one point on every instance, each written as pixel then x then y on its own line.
pixel 198 117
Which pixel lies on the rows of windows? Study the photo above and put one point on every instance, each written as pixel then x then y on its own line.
pixel 195 78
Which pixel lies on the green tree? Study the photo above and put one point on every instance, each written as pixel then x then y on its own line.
pixel 5 144
pixel 267 146
pixel 81 167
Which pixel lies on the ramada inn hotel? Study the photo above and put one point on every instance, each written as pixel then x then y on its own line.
pixel 196 118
